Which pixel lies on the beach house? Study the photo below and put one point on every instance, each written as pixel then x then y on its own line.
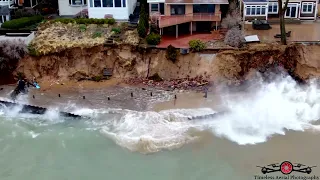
pixel 118 9
pixel 71 7
pixel 186 16
pixel 268 9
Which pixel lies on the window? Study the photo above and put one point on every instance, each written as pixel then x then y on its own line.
pixel 117 3
pixel 203 8
pixel 74 2
pixel 307 7
pixel 273 8
pixel 107 3
pixel 256 10
pixel 154 7
pixel 178 9
pixel 162 8
pixel 96 3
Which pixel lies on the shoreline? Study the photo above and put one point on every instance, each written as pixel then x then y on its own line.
pixel 97 93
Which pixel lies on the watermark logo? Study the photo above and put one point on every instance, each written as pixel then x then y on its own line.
pixel 286 168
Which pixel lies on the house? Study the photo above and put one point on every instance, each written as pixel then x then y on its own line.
pixel 71 7
pixel 23 3
pixel 187 15
pixel 118 9
pixel 5 10
pixel 264 9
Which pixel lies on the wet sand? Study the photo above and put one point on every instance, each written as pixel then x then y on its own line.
pixel 94 95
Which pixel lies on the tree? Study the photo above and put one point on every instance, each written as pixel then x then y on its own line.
pixel 144 16
pixel 234 36
pixel 282 11
pixel 142 29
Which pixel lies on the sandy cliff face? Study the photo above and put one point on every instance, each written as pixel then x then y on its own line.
pixel 129 61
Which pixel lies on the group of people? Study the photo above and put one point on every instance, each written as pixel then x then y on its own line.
pixel 22 87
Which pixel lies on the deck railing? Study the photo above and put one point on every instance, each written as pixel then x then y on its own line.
pixel 165 21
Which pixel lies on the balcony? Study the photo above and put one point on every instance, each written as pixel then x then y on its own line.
pixel 165 21
pixel 196 2
pixel 6 2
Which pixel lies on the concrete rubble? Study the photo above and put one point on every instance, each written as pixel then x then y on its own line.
pixel 196 83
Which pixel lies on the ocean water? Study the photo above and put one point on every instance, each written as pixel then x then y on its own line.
pixel 268 123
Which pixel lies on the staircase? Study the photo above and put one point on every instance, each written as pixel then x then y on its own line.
pixel 134 18
pixel 110 40
pixel 132 27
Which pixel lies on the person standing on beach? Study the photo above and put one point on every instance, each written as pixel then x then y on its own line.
pixel 21 88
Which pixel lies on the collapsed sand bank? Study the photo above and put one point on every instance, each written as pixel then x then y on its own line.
pixel 132 62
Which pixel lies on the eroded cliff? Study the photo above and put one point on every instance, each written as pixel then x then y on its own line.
pixel 127 62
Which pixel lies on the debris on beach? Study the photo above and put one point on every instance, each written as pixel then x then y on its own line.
pixel 196 83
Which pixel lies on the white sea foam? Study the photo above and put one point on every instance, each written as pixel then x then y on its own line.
pixel 253 117
pixel 270 109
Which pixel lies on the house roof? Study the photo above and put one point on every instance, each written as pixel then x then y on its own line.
pixel 255 1
pixel 197 2
pixel 4 10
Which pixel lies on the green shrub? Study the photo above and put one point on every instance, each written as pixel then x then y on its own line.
pixel 82 27
pixel 172 53
pixel 197 45
pixel 116 30
pixel 22 22
pixel 64 20
pixel 142 29
pixel 97 34
pixel 110 21
pixel 83 21
pixel 153 39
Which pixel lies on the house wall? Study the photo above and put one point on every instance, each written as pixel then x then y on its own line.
pixel 131 4
pixel 217 8
pixel 167 8
pixel 260 17
pixel 250 18
pixel 6 3
pixel 308 15
pixel 119 13
pixel 300 15
pixel 189 9
pixel 65 9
